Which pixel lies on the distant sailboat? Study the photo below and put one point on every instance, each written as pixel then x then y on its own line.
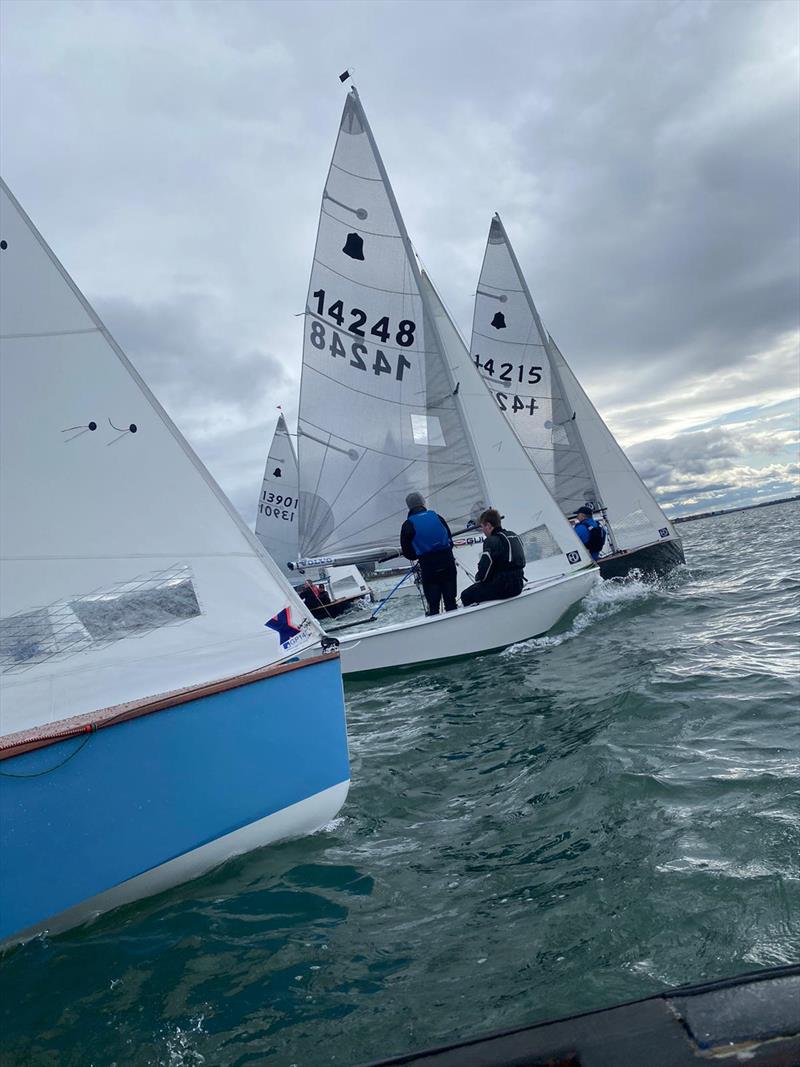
pixel 563 435
pixel 334 589
pixel 167 701
pixel 384 411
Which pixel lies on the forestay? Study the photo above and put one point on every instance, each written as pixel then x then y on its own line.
pixel 277 517
pixel 377 413
pixel 125 572
pixel 562 433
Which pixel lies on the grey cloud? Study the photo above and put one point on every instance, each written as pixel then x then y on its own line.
pixel 689 453
pixel 184 353
pixel 643 157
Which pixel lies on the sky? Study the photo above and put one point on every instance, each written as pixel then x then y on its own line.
pixel 644 157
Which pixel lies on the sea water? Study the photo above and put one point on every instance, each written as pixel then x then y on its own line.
pixel 582 819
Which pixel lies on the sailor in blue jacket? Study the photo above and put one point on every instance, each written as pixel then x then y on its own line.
pixel 585 529
pixel 425 536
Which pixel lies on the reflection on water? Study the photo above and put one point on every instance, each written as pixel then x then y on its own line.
pixel 581 819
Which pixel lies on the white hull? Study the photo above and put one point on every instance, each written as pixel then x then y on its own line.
pixel 297 820
pixel 465 632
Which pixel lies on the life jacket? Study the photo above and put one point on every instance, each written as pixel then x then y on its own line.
pixel 429 533
pixel 513 552
pixel 596 535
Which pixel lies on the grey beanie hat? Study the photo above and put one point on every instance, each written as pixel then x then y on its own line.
pixel 415 500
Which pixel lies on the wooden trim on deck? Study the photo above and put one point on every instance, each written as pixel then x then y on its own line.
pixel 48 734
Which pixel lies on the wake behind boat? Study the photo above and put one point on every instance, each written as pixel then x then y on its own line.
pixel 563 435
pixel 167 701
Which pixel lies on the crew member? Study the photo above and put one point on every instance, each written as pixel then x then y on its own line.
pixel 501 567
pixel 312 595
pixel 425 536
pixel 590 531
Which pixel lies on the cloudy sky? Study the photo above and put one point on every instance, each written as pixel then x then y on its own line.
pixel 644 157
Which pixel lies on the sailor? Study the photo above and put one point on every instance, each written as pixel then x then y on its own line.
pixel 501 567
pixel 590 531
pixel 425 536
pixel 312 595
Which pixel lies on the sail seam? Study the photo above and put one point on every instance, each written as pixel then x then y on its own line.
pixel 362 392
pixel 507 341
pixel 358 281
pixel 361 229
pixel 353 174
pixel 49 333
pixel 364 503
pixel 399 511
pixel 388 455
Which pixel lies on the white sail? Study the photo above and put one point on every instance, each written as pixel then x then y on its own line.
pixel 564 437
pixel 633 516
pixel 125 572
pixel 513 484
pixel 377 413
pixel 277 516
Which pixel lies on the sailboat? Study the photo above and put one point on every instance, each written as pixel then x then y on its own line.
pixel 563 435
pixel 384 411
pixel 333 589
pixel 167 701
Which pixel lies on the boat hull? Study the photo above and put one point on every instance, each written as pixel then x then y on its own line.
pixel 655 559
pixel 468 631
pixel 336 607
pixel 147 803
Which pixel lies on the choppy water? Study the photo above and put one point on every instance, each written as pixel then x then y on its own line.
pixel 581 819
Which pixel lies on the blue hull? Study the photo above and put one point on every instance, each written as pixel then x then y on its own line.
pixel 144 792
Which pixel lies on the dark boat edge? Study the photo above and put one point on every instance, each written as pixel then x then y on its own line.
pixel 336 607
pixel 752 1018
pixel 656 558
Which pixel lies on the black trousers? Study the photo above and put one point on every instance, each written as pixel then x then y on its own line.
pixel 502 587
pixel 439 581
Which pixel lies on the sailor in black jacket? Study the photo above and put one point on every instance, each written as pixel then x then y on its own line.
pixel 501 567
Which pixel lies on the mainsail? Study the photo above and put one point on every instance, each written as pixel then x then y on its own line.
pixel 125 572
pixel 378 417
pixel 563 435
pixel 276 520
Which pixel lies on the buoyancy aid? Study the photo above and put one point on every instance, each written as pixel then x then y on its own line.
pixel 592 534
pixel 503 553
pixel 429 532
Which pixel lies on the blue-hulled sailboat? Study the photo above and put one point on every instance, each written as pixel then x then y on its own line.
pixel 167 700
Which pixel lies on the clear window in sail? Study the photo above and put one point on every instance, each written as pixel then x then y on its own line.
pixel 128 609
pixel 427 430
pixel 539 543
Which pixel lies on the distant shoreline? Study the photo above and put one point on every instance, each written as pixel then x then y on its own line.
pixel 728 511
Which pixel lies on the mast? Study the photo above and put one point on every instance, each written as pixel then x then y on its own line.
pixel 412 259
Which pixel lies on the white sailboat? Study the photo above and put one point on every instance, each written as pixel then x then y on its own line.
pixel 329 590
pixel 563 435
pixel 384 410
pixel 166 700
